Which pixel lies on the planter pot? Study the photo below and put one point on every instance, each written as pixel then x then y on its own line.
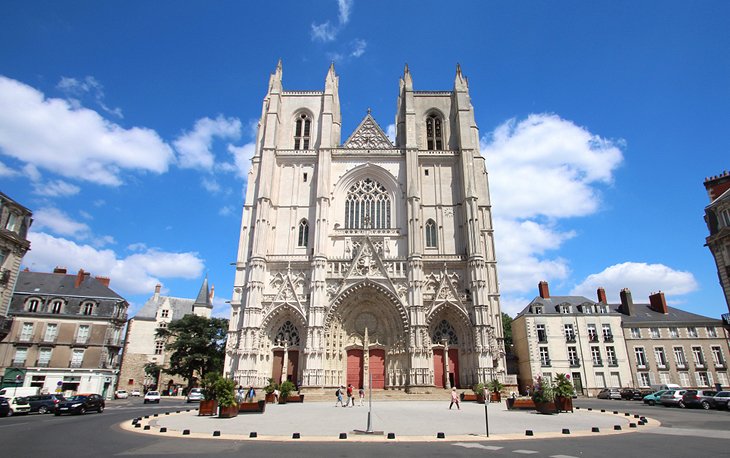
pixel 547 408
pixel 468 397
pixel 480 399
pixel 208 408
pixel 228 412
pixel 252 407
pixel 270 398
pixel 564 404
pixel 495 396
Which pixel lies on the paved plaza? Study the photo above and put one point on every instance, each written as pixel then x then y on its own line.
pixel 408 420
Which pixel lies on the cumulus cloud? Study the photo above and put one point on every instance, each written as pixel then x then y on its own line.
pixel 87 86
pixel 194 147
pixel 390 132
pixel 72 141
pixel 641 278
pixel 327 31
pixel 241 159
pixel 358 48
pixel 135 274
pixel 59 223
pixel 6 171
pixel 55 188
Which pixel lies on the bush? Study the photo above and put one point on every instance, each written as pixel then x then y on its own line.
pixel 225 392
pixel 495 386
pixel 478 388
pixel 563 386
pixel 268 389
pixel 286 388
pixel 208 385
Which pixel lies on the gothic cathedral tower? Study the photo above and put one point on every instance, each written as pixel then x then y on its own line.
pixel 366 262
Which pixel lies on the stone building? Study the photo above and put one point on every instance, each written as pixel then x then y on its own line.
pixel 717 217
pixel 15 220
pixel 366 259
pixel 669 345
pixel 66 333
pixel 572 335
pixel 143 347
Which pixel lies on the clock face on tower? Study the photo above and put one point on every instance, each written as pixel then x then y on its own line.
pixel 366 320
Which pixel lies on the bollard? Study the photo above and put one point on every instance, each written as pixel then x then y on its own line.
pixel 343 435
pixel 147 416
pixel 137 425
pixel 529 432
pixel 146 427
pixel 566 431
pixel 590 408
pixel 154 415
pixel 617 427
pixel 637 416
pixel 440 436
pixel 632 425
pixel 296 436
pixel 186 432
pixel 163 430
pixel 595 430
pixel 216 433
pixel 627 414
pixel 253 434
pixel 603 410
pixel 391 435
pixel 615 412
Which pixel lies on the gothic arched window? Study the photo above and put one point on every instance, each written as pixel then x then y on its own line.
pixel 431 241
pixel 289 333
pixel 434 133
pixel 367 206
pixel 302 131
pixel 444 330
pixel 303 237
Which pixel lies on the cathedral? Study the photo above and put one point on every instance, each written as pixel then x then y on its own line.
pixel 367 261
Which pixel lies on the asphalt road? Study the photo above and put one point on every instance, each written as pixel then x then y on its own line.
pixel 684 433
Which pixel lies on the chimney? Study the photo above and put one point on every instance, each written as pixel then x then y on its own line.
pixel 59 270
pixel 157 292
pixel 212 293
pixel 601 293
pixel 627 302
pixel 103 280
pixel 658 303
pixel 79 278
pixel 542 287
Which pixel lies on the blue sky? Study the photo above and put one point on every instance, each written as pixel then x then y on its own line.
pixel 127 127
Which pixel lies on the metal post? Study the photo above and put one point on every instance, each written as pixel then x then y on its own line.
pixel 370 405
pixel 486 411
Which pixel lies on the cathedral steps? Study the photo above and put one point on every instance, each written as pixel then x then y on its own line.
pixel 328 395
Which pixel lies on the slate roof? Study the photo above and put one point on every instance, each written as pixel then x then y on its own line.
pixel 549 304
pixel 180 306
pixel 62 285
pixel 642 314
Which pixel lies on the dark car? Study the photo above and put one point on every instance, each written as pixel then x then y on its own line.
pixel 44 403
pixel 4 407
pixel 81 403
pixel 698 398
pixel 721 400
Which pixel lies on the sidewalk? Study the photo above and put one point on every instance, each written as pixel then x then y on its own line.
pixel 424 419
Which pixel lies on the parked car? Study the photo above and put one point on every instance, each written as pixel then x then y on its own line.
pixel 721 400
pixel 18 405
pixel 121 394
pixel 81 403
pixel 698 398
pixel 672 398
pixel 136 393
pixel 4 407
pixel 609 393
pixel 653 398
pixel 152 396
pixel 44 403
pixel 195 395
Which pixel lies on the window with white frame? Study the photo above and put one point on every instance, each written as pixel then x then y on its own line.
pixel 547 377
pixel 83 333
pixel 12 223
pixel 692 332
pixel 679 357
pixel 566 309
pixel 674 332
pixel 640 356
pixel 592 333
pixel 654 332
pixel 664 378
pixel 644 379
pixel 431 240
pixel 367 206
pixel 159 346
pixel 698 357
pixel 544 356
pixel 165 313
pixel 303 233
pixel 434 133
pixel 636 333
pixel 717 356
pixel 569 332
pixel 722 378
pixel 51 332
pixel 611 356
pixel 684 379
pixel 607 333
pixel 33 305
pixel 660 357
pixel 44 357
pixel 88 308
pixel 600 380
pixel 302 131
pixel 711 331
pixel 596 356
pixel 26 332
pixel 57 306
pixel 703 379
pixel 725 217
pixel 541 333
pixel 77 357
pixel 21 353
pixel 573 356
pixel 537 310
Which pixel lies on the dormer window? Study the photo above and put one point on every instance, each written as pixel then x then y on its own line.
pixel 57 306
pixel 165 313
pixel 564 308
pixel 537 310
pixel 302 130
pixel 88 308
pixel 434 133
pixel 33 305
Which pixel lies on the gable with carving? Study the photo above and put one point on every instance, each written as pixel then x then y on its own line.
pixel 368 135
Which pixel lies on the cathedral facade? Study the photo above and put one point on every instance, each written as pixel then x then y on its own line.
pixel 366 261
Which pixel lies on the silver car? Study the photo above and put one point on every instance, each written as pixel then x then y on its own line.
pixel 195 395
pixel 672 398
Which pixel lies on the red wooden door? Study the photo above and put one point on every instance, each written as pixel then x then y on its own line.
pixel 293 366
pixel 278 362
pixel 354 367
pixel 377 368
pixel 454 366
pixel 438 367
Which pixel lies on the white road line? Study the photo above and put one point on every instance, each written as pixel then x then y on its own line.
pixel 562 456
pixel 525 452
pixel 477 445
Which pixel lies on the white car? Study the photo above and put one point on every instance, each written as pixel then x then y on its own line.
pixel 195 395
pixel 136 393
pixel 121 394
pixel 152 396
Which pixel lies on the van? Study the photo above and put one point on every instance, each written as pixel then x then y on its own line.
pixel 666 386
pixel 20 391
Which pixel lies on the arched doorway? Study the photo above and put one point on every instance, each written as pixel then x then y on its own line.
pixel 445 340
pixel 285 361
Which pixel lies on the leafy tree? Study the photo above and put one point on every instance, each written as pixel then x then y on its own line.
pixel 507 326
pixel 196 345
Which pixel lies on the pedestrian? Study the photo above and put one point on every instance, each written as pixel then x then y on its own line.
pixel 349 396
pixel 361 393
pixel 251 394
pixel 240 396
pixel 276 395
pixel 454 399
pixel 338 393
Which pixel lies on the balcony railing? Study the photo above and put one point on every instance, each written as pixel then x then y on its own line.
pixel 608 338
pixel 592 338
pixel 545 363
pixel 575 363
pixel 720 365
pixel 42 363
pixel 75 364
pixel 18 363
pixel 570 339
pixel 598 363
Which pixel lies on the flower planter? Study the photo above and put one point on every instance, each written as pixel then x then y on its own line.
pixel 520 404
pixel 208 408
pixel 564 404
pixel 547 408
pixel 269 398
pixel 468 397
pixel 480 399
pixel 291 398
pixel 228 411
pixel 495 396
pixel 252 407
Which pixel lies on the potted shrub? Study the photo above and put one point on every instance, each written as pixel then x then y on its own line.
pixel 225 391
pixel 286 389
pixel 563 393
pixel 543 395
pixel 495 387
pixel 269 390
pixel 209 404
pixel 478 389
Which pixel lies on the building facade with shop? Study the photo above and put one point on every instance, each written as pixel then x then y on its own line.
pixel 66 335
pixel 367 259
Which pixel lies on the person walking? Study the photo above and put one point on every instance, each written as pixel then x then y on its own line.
pixel 240 395
pixel 338 393
pixel 454 399
pixel 349 396
pixel 361 393
pixel 251 394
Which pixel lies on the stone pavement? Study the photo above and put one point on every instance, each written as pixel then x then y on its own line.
pixel 408 420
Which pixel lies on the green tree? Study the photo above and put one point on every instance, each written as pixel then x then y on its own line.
pixel 196 345
pixel 507 325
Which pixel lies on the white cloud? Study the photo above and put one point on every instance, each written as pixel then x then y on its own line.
pixel 325 31
pixel 194 147
pixel 358 48
pixel 134 274
pixel 541 170
pixel 241 159
pixel 59 223
pixel 210 185
pixel 88 85
pixel 137 246
pixel 74 142
pixel 226 211
pixel 390 132
pixel 55 188
pixel 6 171
pixel 641 278
pixel 344 7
